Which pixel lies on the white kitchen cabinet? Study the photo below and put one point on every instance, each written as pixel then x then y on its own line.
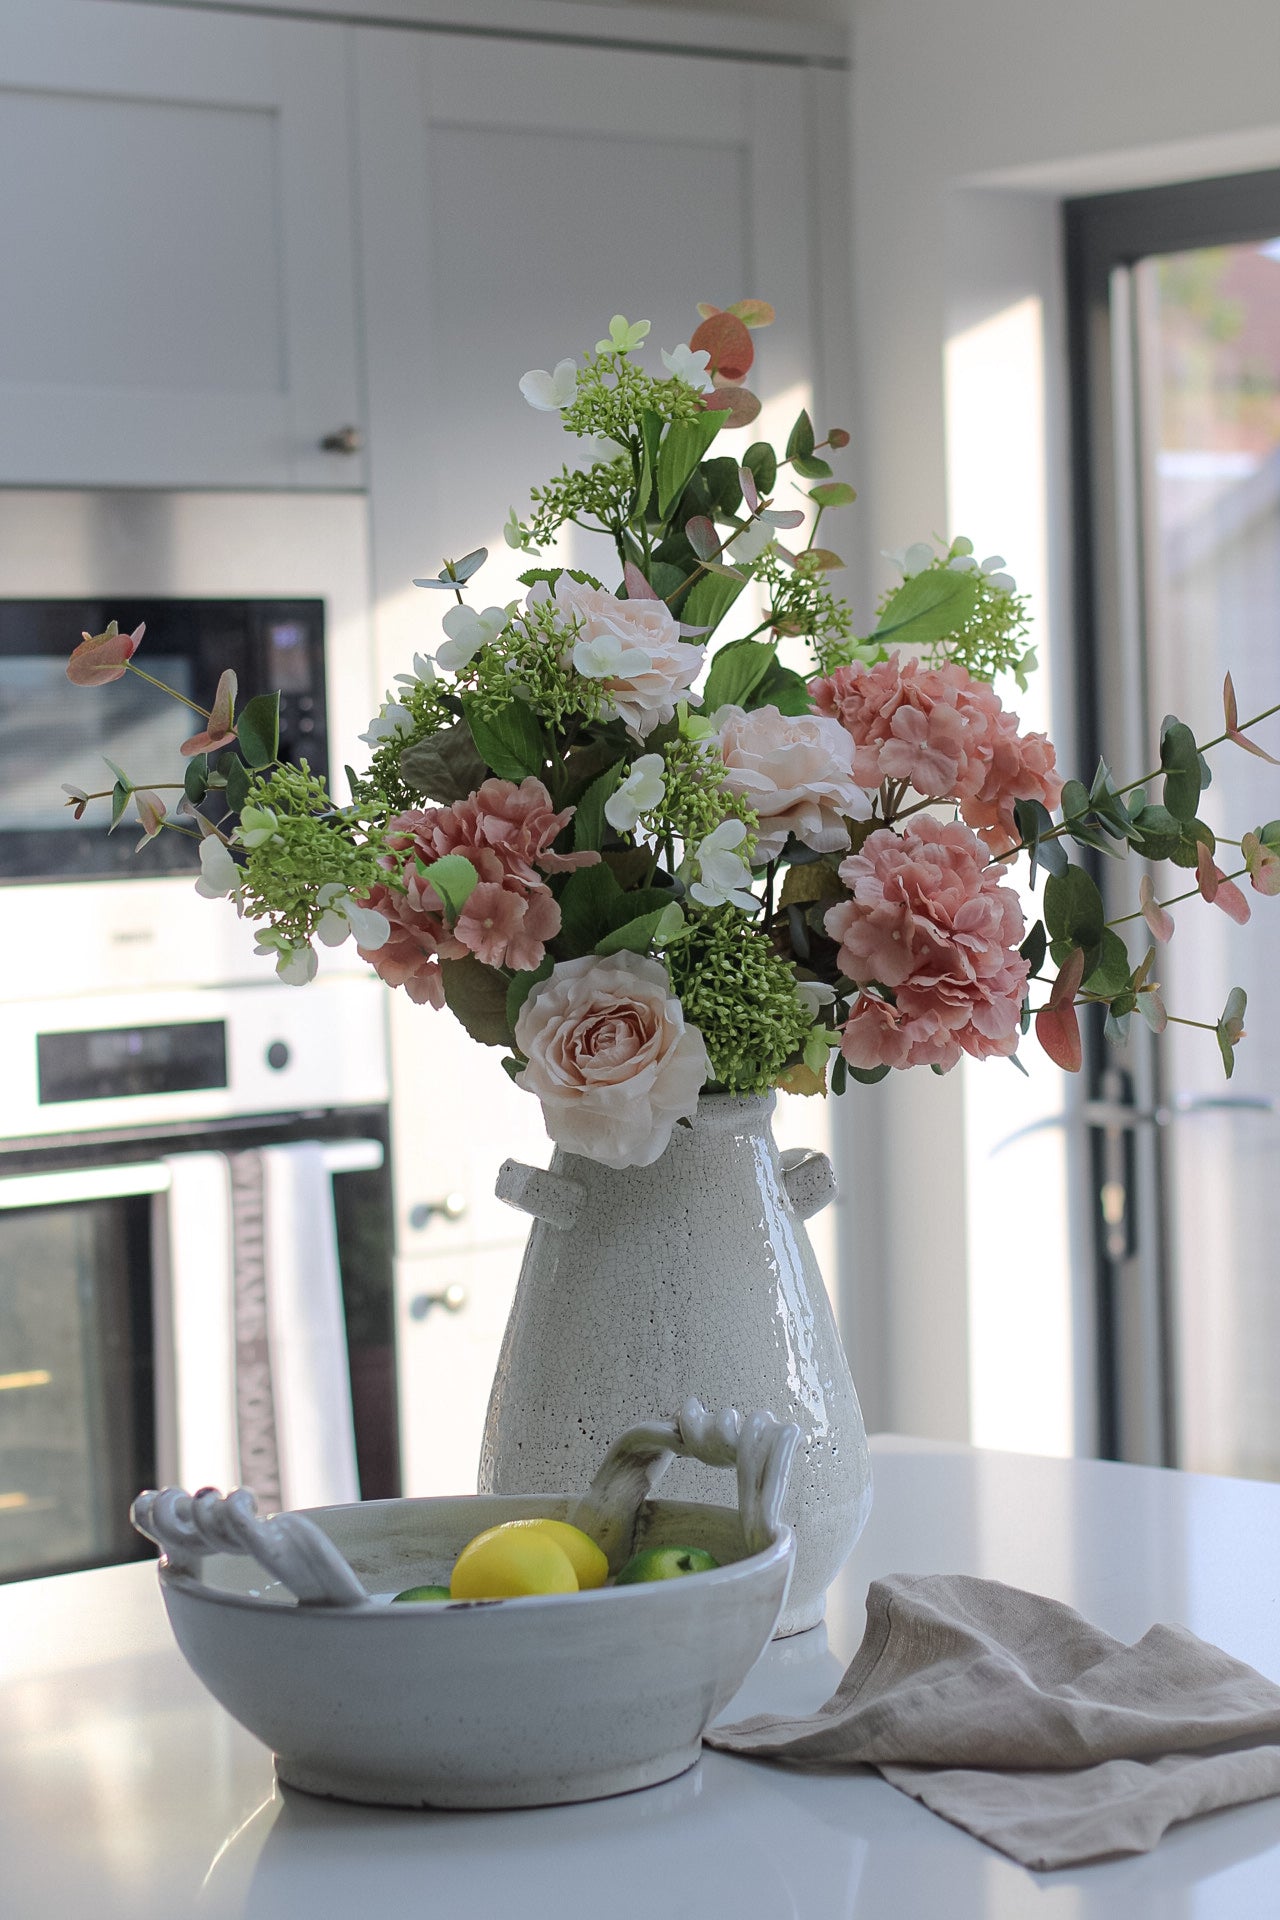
pixel 512 198
pixel 177 237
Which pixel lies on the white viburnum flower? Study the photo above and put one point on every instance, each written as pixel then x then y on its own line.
pixel 993 568
pixel 911 560
pixel 724 878
pixel 391 720
pixel 514 534
pixel 296 966
pixel 639 793
pixel 814 995
pixel 257 826
pixel 605 656
pixel 423 674
pixel 219 873
pixel 624 335
pixel 343 916
pixel 549 392
pixel 468 631
pixel 690 367
pixel 754 538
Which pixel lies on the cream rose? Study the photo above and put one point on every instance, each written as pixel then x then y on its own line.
pixel 662 666
pixel 797 772
pixel 610 1058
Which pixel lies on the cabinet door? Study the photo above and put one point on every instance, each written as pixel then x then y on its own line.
pixel 176 230
pixel 513 197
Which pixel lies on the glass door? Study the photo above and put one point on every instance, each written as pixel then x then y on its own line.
pixel 1176 297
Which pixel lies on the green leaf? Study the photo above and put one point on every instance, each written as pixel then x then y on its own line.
pixel 510 741
pixel 1116 1026
pixel 1180 758
pixel 762 461
pixel 800 440
pixel 119 801
pixel 512 1068
pixel 1075 800
pixel 1270 835
pixel 1035 946
pixel 866 1076
pixel 1074 914
pixel 445 766
pixel 454 879
pixel 477 996
pixel 666 579
pixel 839 1073
pixel 237 782
pixel 837 493
pixel 195 781
pixel 1034 821
pixel 928 607
pixel 1111 974
pixel 633 936
pixel 811 467
pixel 522 986
pixel 736 671
pixel 650 435
pixel 587 909
pixel 784 689
pixel 683 446
pixel 552 574
pixel 589 822
pixel 119 773
pixel 258 729
pixel 720 485
pixel 710 598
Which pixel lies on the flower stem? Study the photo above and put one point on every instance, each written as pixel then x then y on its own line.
pixel 171 691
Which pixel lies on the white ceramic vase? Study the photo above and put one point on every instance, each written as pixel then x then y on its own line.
pixel 695 1275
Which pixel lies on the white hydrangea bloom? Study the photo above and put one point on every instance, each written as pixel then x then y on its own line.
pixel 549 392
pixel 424 672
pixel 391 720
pixel 638 794
pixel 690 367
pixel 219 874
pixel 724 878
pixel 468 631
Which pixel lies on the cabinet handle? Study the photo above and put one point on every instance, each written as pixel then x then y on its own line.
pixel 452 1298
pixel 343 440
pixel 452 1207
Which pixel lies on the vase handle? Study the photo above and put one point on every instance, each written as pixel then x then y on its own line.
pixel 759 1445
pixel 552 1197
pixel 808 1179
pixel 288 1546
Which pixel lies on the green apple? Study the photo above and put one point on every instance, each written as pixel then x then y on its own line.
pixel 666 1563
pixel 422 1593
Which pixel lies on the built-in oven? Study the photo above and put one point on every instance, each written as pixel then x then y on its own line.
pixel 202 1295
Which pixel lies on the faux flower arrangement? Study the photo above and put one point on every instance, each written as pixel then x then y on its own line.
pixel 644 893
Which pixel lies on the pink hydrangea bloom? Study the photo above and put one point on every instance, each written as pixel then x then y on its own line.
pixel 946 735
pixel 506 832
pixel 928 920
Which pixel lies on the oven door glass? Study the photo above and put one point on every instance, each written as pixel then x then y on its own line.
pixel 76 1409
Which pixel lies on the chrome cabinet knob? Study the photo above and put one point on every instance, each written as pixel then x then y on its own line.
pixel 343 440
pixel 452 1298
pixel 452 1207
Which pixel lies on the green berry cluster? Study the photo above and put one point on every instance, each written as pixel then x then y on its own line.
pixel 613 392
pixel 742 999
pixel 314 845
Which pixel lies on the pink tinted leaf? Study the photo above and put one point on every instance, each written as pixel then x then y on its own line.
pixel 1233 902
pixel 783 516
pixel 220 731
pixel 1207 874
pixel 1058 1032
pixel 702 536
pixel 1159 922
pixel 706 309
pixel 819 560
pixel 1251 746
pixel 1230 712
pixel 752 313
pixel 1152 1009
pixel 837 437
pixel 638 587
pixel 750 492
pixel 724 338
pixel 742 407
pixel 151 811
pixel 101 657
pixel 1067 985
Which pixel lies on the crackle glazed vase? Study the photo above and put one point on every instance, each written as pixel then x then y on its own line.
pixel 643 1286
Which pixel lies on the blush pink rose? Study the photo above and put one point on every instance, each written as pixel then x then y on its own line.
pixel 946 735
pixel 506 832
pixel 930 924
pixel 797 772
pixel 611 1058
pixel 643 697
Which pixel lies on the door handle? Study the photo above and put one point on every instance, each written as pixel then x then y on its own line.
pixel 452 1207
pixel 452 1298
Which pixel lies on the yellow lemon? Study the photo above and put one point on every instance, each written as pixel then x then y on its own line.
pixel 584 1556
pixel 504 1562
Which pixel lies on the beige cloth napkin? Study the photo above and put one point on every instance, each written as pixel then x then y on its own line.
pixel 1015 1718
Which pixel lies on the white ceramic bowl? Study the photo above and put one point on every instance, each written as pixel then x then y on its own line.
pixel 508 1703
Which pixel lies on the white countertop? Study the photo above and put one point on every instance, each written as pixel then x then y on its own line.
pixel 127 1794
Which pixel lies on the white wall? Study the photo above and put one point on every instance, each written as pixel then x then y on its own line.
pixel 970 124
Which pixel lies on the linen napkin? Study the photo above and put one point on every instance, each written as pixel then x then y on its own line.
pixel 1015 1718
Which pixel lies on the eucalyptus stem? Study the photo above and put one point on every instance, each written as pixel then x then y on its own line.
pixel 171 691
